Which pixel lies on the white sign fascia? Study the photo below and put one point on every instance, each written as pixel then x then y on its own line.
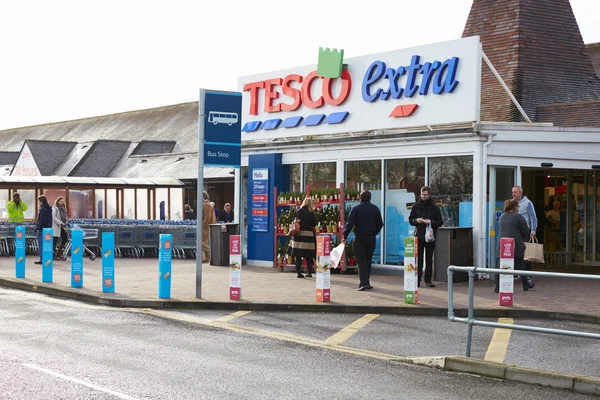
pixel 459 104
pixel 26 165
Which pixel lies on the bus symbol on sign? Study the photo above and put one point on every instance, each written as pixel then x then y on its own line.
pixel 222 117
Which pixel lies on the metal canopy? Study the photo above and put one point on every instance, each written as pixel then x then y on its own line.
pixel 76 180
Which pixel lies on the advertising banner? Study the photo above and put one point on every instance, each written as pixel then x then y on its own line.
pixel 165 250
pixel 47 254
pixel 411 270
pixel 235 267
pixel 20 251
pixel 507 261
pixel 76 258
pixel 260 200
pixel 108 262
pixel 323 270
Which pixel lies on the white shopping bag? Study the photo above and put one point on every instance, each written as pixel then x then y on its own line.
pixel 335 255
pixel 429 237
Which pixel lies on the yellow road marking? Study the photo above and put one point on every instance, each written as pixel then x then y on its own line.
pixel 499 343
pixel 351 329
pixel 176 316
pixel 235 315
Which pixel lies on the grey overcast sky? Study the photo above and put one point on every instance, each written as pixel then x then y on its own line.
pixel 62 60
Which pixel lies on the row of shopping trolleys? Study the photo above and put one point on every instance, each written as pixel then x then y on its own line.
pixel 130 241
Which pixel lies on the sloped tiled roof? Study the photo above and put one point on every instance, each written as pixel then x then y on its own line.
pixel 8 157
pixel 182 166
pixel 101 158
pixel 537 49
pixel 575 114
pixel 154 147
pixel 49 155
pixel 593 50
pixel 177 122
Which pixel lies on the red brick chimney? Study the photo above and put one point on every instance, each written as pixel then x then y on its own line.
pixel 537 48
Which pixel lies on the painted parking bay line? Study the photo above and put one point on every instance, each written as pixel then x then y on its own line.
pixel 233 316
pixel 351 329
pixel 499 343
pixel 80 382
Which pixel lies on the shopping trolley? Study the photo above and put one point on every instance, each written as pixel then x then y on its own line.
pixel 89 235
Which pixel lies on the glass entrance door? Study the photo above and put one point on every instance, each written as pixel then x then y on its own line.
pixel 501 182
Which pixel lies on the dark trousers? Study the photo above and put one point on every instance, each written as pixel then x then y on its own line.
pixel 364 247
pixel 309 265
pixel 425 250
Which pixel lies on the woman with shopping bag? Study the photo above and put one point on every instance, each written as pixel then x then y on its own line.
pixel 513 225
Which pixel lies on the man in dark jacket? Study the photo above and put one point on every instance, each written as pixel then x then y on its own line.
pixel 366 220
pixel 423 213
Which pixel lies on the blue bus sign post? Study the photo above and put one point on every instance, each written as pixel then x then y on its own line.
pixel 219 145
pixel 222 128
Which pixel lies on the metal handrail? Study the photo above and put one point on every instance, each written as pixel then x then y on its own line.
pixel 470 321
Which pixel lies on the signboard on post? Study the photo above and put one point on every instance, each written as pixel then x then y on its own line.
pixel 47 254
pixel 260 200
pixel 222 128
pixel 20 251
pixel 108 262
pixel 76 258
pixel 235 267
pixel 411 270
pixel 507 261
pixel 165 250
pixel 323 269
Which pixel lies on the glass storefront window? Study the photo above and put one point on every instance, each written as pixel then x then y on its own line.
pixel 295 178
pixel 53 194
pixel 320 175
pixel 451 181
pixel 28 196
pixel 80 204
pixel 111 204
pixel 162 203
pixel 4 199
pixel 129 203
pixel 365 175
pixel 176 204
pixel 404 180
pixel 99 207
pixel 142 204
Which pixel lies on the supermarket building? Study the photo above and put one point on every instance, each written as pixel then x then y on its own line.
pixel 395 121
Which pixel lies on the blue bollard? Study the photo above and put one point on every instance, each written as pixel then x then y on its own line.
pixel 108 262
pixel 20 251
pixel 47 254
pixel 76 258
pixel 165 247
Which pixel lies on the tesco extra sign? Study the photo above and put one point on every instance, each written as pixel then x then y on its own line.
pixel 426 85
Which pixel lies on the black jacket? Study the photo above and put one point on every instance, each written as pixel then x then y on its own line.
pixel 366 220
pixel 189 214
pixel 226 216
pixel 307 218
pixel 513 225
pixel 426 210
pixel 44 217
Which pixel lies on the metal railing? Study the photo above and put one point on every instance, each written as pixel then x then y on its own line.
pixel 470 321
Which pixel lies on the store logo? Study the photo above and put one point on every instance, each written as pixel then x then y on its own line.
pixel 290 93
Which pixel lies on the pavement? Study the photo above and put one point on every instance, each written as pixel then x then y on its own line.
pixel 268 289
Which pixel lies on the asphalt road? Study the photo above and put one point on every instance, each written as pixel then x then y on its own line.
pixel 57 349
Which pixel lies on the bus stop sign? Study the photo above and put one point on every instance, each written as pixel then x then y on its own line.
pixel 222 128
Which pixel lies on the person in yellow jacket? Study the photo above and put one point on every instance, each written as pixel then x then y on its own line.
pixel 16 209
